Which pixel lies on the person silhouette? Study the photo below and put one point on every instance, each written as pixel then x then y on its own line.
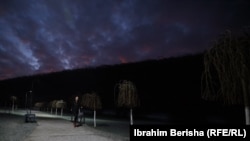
pixel 75 110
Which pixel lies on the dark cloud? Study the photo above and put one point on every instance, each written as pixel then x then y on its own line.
pixel 41 36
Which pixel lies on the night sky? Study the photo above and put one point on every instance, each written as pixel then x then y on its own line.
pixel 42 36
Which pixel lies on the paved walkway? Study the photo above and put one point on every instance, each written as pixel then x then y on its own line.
pixel 59 128
pixel 62 130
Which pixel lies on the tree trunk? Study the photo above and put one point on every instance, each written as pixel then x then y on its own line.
pixel 246 102
pixel 61 111
pixel 83 117
pixel 247 112
pixel 94 118
pixel 131 116
pixel 56 111
pixel 51 111
pixel 13 105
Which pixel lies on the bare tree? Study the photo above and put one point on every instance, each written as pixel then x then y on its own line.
pixel 93 102
pixel 61 105
pixel 226 73
pixel 39 105
pixel 52 105
pixel 127 96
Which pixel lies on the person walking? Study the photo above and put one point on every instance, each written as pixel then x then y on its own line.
pixel 75 110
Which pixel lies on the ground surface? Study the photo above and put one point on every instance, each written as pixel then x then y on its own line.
pixel 51 128
pixel 13 128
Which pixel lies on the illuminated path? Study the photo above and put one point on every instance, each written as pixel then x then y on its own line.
pixel 59 128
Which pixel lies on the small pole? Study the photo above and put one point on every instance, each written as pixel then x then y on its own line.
pixel 131 116
pixel 94 118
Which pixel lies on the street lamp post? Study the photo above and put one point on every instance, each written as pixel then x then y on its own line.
pixel 26 101
pixel 29 117
pixel 30 100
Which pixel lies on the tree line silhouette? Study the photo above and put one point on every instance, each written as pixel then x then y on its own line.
pixel 159 82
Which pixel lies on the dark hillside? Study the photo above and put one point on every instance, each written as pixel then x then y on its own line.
pixel 166 81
